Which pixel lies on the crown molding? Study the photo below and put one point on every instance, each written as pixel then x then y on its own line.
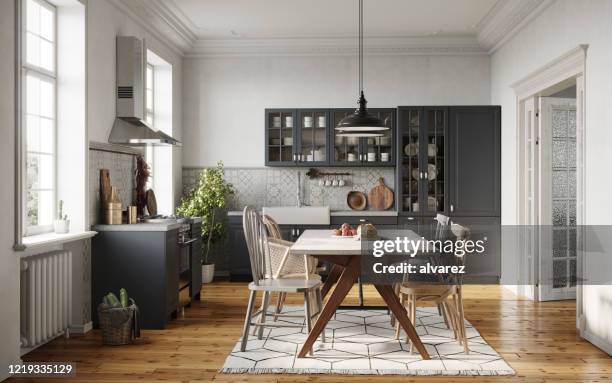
pixel 158 19
pixel 505 19
pixel 345 46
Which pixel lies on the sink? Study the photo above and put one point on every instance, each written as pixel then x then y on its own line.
pixel 293 215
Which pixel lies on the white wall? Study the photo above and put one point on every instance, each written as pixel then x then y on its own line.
pixel 104 23
pixel 9 261
pixel 558 29
pixel 224 98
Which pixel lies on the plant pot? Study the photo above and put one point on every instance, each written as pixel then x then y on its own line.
pixel 61 226
pixel 208 272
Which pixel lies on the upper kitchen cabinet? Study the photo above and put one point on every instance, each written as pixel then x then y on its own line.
pixel 372 151
pixel 475 160
pixel 422 149
pixel 312 133
pixel 281 140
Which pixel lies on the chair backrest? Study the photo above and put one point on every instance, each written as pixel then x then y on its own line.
pixel 441 229
pixel 257 243
pixel 272 227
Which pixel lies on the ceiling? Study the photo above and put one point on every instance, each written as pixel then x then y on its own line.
pixel 212 19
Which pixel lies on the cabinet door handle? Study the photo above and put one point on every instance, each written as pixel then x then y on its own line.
pixel 420 175
pixel 294 157
pixel 410 218
pixel 452 208
pixel 425 176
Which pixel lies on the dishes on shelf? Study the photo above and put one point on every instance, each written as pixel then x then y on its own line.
pixel 276 121
pixel 411 149
pixel 431 150
pixel 288 141
pixel 432 203
pixel 289 122
pixel 321 122
pixel 275 141
pixel 308 121
pixel 384 141
pixel 384 157
pixel 415 174
pixel 432 172
pixel 351 157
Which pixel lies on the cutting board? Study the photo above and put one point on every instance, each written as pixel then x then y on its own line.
pixel 105 187
pixel 380 197
pixel 151 202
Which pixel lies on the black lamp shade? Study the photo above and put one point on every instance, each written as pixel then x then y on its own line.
pixel 361 122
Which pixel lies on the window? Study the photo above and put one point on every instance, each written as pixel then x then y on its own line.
pixel 39 118
pixel 149 116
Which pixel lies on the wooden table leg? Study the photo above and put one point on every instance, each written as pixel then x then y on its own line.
pixel 344 285
pixel 386 292
pixel 332 278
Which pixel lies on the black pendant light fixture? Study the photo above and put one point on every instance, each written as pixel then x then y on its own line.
pixel 361 123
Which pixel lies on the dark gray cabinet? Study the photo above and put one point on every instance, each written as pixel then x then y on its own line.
pixel 475 161
pixel 196 261
pixel 306 137
pixel 146 264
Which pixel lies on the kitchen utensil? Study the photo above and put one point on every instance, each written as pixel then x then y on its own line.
pixel 132 215
pixel 411 149
pixel 113 208
pixel 432 172
pixel 356 200
pixel 289 121
pixel 380 197
pixel 276 121
pixel 321 121
pixel 151 202
pixel 288 141
pixel 431 150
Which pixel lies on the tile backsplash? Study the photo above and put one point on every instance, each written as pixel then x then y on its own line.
pixel 260 187
pixel 121 168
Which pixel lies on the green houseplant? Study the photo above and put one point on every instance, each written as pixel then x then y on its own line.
pixel 208 199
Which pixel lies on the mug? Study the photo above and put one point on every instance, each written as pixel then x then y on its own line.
pixel 276 121
pixel 335 183
pixel 321 121
pixel 308 122
pixel 341 182
pixel 321 182
pixel 328 183
pixel 289 121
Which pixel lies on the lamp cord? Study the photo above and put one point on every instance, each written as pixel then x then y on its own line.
pixel 360 46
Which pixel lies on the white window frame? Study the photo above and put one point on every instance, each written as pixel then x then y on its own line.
pixel 149 152
pixel 51 76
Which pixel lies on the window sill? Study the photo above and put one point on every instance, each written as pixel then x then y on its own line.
pixel 35 241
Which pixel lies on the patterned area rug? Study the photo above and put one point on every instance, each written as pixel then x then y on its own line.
pixel 362 342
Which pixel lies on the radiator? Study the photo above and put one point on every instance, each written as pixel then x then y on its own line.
pixel 46 297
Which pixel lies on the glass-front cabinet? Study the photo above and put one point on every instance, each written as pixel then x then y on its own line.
pixel 280 136
pixel 422 150
pixel 371 151
pixel 312 136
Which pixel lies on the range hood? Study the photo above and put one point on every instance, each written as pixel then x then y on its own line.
pixel 130 127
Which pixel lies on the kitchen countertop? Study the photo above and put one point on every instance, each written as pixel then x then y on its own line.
pixel 344 213
pixel 138 227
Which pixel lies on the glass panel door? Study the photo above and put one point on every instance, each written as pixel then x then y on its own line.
pixel 409 136
pixel 312 136
pixel 345 150
pixel 280 136
pixel 379 150
pixel 433 153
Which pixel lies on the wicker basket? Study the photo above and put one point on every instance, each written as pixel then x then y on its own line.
pixel 117 324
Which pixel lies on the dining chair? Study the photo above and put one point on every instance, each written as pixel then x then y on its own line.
pixel 447 295
pixel 262 251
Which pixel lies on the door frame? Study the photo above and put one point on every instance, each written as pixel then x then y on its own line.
pixel 571 65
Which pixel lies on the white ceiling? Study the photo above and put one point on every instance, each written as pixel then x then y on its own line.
pixel 212 19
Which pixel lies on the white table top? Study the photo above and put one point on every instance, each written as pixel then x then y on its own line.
pixel 313 242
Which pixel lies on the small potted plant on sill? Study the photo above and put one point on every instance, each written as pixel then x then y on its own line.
pixel 208 199
pixel 62 224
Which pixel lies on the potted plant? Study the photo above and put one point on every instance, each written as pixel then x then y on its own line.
pixel 62 224
pixel 208 199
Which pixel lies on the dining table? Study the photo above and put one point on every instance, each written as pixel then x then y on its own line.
pixel 345 255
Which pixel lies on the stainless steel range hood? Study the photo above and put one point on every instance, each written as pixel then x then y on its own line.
pixel 129 127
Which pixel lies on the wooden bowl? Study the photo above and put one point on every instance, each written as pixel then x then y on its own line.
pixel 356 200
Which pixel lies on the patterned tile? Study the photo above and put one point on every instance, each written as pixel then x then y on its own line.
pixel 367 346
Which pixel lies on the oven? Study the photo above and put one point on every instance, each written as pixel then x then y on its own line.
pixel 185 241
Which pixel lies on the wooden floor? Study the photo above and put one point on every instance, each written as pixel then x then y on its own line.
pixel 538 340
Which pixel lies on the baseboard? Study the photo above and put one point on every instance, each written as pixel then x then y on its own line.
pixel 81 329
pixel 597 341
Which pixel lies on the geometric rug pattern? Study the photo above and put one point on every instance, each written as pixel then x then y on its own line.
pixel 363 342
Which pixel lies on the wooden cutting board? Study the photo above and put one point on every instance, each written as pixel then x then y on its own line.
pixel 105 187
pixel 380 197
pixel 151 202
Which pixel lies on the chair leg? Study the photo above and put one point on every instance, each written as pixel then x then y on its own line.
pixel 451 317
pixel 462 321
pixel 247 321
pixel 397 325
pixel 442 313
pixel 412 319
pixel 279 306
pixel 319 309
pixel 308 314
pixel 260 309
pixel 264 312
pixel 396 290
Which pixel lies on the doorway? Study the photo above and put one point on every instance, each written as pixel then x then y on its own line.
pixel 550 176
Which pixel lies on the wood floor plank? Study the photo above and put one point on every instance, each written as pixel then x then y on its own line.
pixel 538 339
